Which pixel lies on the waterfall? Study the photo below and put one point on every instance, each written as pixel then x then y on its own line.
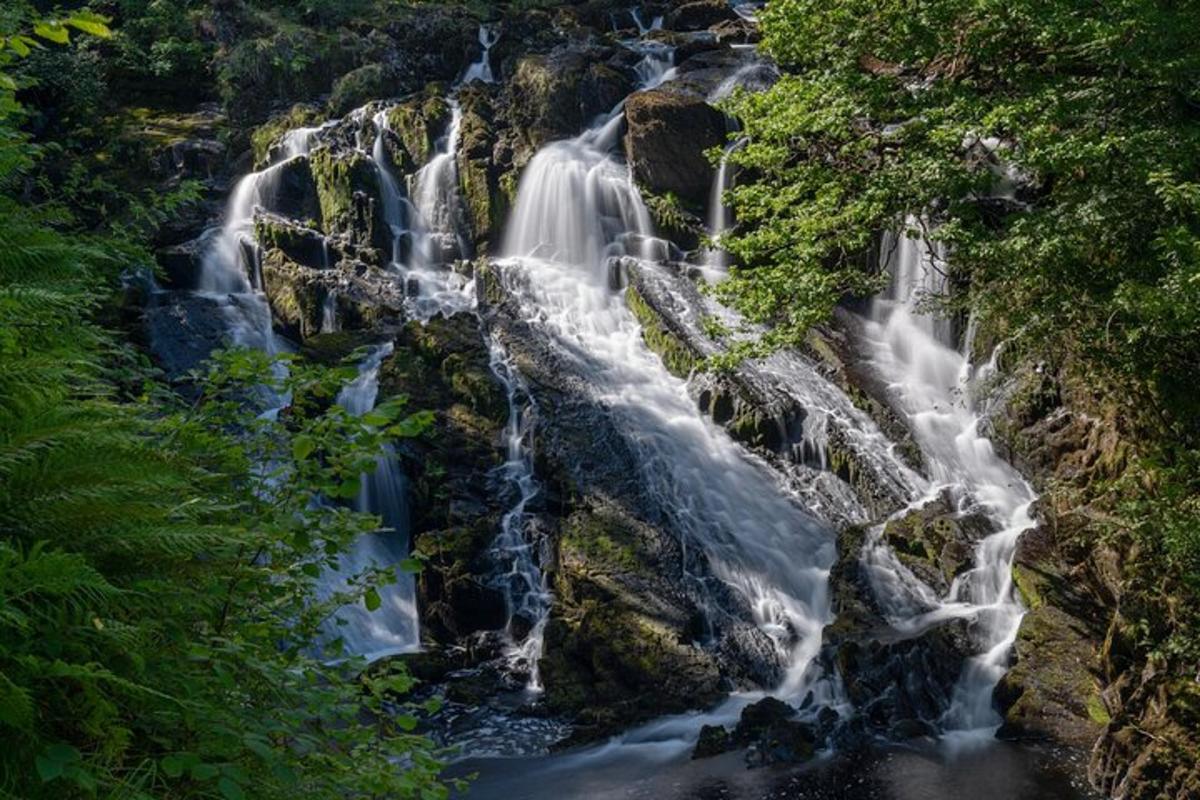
pixel 575 208
pixel 519 575
pixel 912 348
pixel 393 627
pixel 716 260
pixel 481 70
pixel 432 224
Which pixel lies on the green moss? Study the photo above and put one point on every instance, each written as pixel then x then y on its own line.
pixel 603 542
pixel 1097 711
pixel 338 178
pixel 419 123
pixel 676 355
pixel 271 131
pixel 1027 584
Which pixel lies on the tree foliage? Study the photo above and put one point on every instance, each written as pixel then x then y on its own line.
pixel 1055 148
pixel 159 630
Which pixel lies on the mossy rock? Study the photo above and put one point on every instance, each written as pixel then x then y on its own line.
pixel 419 123
pixel 348 192
pixel 266 137
pixel 677 356
pixel 359 87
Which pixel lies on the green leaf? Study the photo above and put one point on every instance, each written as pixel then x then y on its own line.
pixel 302 447
pixel 48 769
pixel 413 565
pixel 204 772
pixel 53 31
pixel 407 722
pixel 372 599
pixel 19 47
pixel 89 23
pixel 230 790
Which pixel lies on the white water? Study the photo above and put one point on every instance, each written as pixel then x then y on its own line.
pixel 519 573
pixel 930 380
pixel 576 208
pixel 716 260
pixel 394 626
pixel 481 70
pixel 432 225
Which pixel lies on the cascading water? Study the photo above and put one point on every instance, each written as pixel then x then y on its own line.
pixel 716 260
pixel 393 627
pixel 481 70
pixel 519 574
pixel 913 350
pixel 576 208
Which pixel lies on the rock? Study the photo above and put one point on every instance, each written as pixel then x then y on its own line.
pixel 714 740
pixel 668 134
pixel 181 264
pixel 481 174
pixel 266 138
pixel 301 244
pixel 892 679
pixel 736 31
pixel 418 123
pixel 347 187
pixel 699 15
pixel 936 542
pixel 758 718
pixel 194 159
pixel 359 87
pixel 554 96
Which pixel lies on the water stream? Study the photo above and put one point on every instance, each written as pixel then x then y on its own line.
pixel 912 347
pixel 393 627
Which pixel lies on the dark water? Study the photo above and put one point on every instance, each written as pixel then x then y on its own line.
pixel 995 771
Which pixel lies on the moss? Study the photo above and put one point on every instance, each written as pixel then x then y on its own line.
pixel 419 123
pixel 1097 711
pixel 338 178
pixel 331 349
pixel 1027 584
pixel 676 355
pixel 268 134
pixel 359 87
pixel 603 542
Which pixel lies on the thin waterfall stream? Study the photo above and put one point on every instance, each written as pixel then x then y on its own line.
pixel 913 349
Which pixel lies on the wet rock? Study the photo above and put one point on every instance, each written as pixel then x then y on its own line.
pixel 304 245
pixel 668 134
pixel 1053 690
pixel 699 15
pixel 183 329
pixel 937 542
pixel 418 123
pixel 554 96
pixel 736 31
pixel 714 740
pixel 361 295
pixel 483 168
pixel 181 264
pixel 894 679
pixel 347 188
pixel 760 717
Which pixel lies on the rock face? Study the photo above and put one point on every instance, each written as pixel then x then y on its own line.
pixel 768 731
pixel 554 96
pixel 878 664
pixel 757 407
pixel 699 15
pixel 669 133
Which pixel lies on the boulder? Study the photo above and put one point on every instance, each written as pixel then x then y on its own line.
pixel 668 136
pixel 553 96
pixel 348 191
pixel 714 740
pixel 418 124
pixel 698 15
